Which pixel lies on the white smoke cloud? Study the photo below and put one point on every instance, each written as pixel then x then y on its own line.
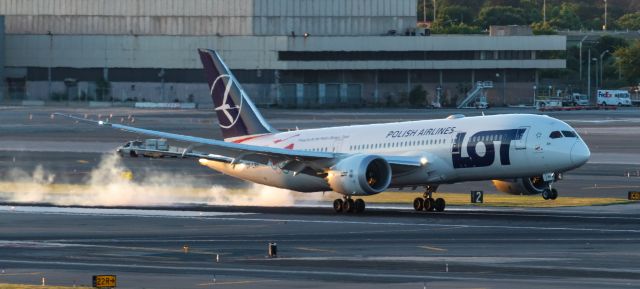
pixel 107 186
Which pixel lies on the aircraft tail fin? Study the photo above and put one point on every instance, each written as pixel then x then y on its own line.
pixel 237 115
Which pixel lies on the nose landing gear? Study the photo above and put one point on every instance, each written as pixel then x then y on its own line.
pixel 427 203
pixel 348 205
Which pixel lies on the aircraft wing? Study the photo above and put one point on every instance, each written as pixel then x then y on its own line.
pixel 295 160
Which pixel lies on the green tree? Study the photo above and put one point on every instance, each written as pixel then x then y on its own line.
pixel 610 43
pixel 565 17
pixel 532 11
pixel 456 14
pixel 628 59
pixel 460 28
pixel 540 28
pixel 501 15
pixel 629 21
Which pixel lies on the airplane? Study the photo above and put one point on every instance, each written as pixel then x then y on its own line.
pixel 522 154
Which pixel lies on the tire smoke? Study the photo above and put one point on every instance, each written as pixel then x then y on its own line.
pixel 110 185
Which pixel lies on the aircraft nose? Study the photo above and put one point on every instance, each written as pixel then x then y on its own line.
pixel 580 153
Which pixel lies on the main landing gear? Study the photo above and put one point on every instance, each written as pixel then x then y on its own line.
pixel 348 205
pixel 427 202
pixel 550 193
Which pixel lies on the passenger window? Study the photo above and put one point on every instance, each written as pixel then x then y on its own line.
pixel 555 134
pixel 568 133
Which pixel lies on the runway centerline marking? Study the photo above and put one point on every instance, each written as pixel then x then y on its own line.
pixel 235 282
pixel 315 250
pixel 433 248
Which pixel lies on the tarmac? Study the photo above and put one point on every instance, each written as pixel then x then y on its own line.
pixel 389 246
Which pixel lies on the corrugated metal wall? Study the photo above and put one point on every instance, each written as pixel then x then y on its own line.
pixel 208 17
pixel 2 56
pixel 229 8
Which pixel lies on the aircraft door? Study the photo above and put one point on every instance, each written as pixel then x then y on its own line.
pixel 521 137
pixel 337 145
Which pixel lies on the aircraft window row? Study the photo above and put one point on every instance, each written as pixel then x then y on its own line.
pixel 568 133
pixel 397 144
pixel 318 150
pixel 555 134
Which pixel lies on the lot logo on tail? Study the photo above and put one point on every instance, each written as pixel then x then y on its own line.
pixel 228 107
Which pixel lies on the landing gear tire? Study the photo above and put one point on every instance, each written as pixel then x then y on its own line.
pixel 337 205
pixel 429 204
pixel 418 204
pixel 359 206
pixel 439 204
pixel 546 194
pixel 348 206
pixel 554 194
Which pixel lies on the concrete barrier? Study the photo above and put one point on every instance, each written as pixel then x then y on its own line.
pixel 167 105
pixel 33 102
pixel 100 104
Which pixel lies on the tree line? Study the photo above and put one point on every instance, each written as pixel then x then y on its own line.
pixel 621 58
pixel 475 16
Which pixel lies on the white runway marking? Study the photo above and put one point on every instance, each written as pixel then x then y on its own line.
pixel 116 212
pixel 460 226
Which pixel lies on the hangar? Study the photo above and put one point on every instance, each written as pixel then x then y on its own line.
pixel 289 53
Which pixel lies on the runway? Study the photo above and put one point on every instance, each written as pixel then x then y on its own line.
pixel 384 248
pixel 389 246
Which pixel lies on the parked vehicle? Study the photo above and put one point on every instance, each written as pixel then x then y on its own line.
pixel 575 99
pixel 614 97
pixel 149 148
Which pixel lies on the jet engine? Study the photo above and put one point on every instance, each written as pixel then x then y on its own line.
pixel 522 186
pixel 360 175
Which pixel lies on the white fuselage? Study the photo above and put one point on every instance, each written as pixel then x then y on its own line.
pixel 452 149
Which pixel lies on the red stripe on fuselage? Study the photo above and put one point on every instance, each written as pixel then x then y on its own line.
pixel 249 138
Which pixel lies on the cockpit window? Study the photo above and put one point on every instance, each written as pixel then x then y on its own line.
pixel 555 134
pixel 568 133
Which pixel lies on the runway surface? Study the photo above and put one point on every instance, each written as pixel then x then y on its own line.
pixel 387 247
pixel 384 248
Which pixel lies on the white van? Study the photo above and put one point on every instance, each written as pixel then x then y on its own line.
pixel 614 97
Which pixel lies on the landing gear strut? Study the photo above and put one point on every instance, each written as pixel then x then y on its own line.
pixel 550 194
pixel 427 203
pixel 348 205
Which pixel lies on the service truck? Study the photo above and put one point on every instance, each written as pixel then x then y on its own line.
pixel 149 148
pixel 614 97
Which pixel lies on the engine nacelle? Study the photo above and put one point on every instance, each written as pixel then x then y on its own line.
pixel 522 186
pixel 360 175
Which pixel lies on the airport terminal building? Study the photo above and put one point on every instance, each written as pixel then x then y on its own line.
pixel 291 53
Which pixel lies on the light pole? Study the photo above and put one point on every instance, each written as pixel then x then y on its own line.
pixel 605 16
pixel 534 95
pixel 602 67
pixel 434 11
pixel 596 72
pixel 589 76
pixel 583 39
pixel 597 69
pixel 544 11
